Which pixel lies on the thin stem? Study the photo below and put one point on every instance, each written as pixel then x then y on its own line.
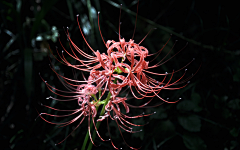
pixel 101 114
pixel 99 122
pixel 87 135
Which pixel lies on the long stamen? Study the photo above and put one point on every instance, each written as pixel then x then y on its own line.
pixel 83 35
pixel 135 21
pixel 119 35
pixel 100 30
pixel 146 36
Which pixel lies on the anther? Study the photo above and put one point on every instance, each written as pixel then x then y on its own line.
pixel 176 40
pixel 154 112
pixel 166 73
pixel 188 82
pixel 49 97
pixel 67 27
pixel 193 58
pixel 45 81
pixel 141 130
pixel 77 15
pixel 180 98
pixel 98 12
pixel 185 69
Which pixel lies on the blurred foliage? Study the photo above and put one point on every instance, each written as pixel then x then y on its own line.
pixel 207 117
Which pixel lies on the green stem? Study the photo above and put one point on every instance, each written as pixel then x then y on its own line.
pixel 99 122
pixel 87 135
pixel 97 125
pixel 86 139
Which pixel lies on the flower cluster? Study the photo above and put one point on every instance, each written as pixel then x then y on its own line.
pixel 123 66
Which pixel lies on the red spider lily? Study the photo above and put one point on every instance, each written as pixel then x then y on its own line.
pixel 124 65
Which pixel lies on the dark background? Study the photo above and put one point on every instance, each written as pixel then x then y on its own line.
pixel 208 115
